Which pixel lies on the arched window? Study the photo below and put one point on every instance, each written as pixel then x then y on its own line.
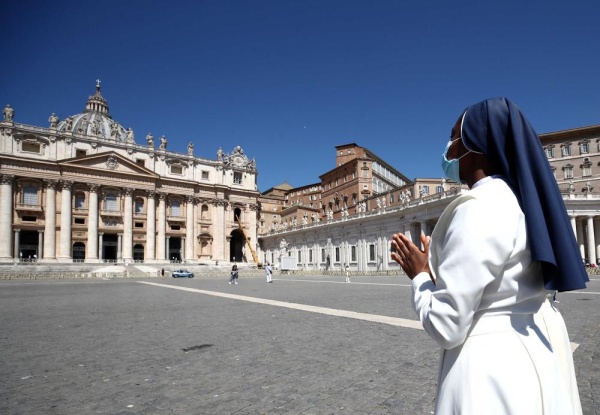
pixel 30 196
pixel 204 214
pixel 139 205
pixel 79 200
pixel 111 202
pixel 175 208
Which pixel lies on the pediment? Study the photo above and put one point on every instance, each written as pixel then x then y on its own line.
pixel 108 162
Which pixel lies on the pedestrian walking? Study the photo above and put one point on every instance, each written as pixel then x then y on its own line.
pixel 234 274
pixel 268 272
pixel 484 281
pixel 347 273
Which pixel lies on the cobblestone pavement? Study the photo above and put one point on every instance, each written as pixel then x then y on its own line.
pixel 123 347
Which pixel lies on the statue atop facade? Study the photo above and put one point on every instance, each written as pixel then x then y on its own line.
pixel 305 219
pixel 588 187
pixel 130 137
pixel 220 154
pixel 69 124
pixel 114 130
pixel 163 143
pixel 8 113
pixel 150 140
pixel 571 186
pixel 95 127
pixel 294 222
pixel 283 245
pixel 190 149
pixel 53 120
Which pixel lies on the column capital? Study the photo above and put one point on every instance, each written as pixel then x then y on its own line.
pixel 66 184
pixel 7 178
pixel 151 194
pixel 190 199
pixel 93 187
pixel 50 184
pixel 162 195
pixel 128 191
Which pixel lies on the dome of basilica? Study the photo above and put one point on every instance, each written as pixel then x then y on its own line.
pixel 95 120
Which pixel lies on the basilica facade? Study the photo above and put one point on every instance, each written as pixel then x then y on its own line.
pixel 84 190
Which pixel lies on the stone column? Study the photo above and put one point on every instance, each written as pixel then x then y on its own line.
pixel 128 226
pixel 92 241
pixel 597 230
pixel 162 227
pixel 65 221
pixel 50 220
pixel 580 241
pixel 16 245
pixel 119 246
pixel 189 229
pixel 219 239
pixel 182 249
pixel 150 249
pixel 6 213
pixel 40 244
pixel 100 246
pixel 573 224
pixel 591 240
pixel 168 250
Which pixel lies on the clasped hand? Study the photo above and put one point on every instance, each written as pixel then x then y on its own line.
pixel 411 258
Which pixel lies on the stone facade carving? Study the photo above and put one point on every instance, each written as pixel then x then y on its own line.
pixel 8 113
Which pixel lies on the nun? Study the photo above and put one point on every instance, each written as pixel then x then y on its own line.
pixel 484 282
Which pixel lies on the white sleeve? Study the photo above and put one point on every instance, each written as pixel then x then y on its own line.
pixel 471 255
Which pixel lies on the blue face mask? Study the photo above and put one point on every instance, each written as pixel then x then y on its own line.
pixel 451 167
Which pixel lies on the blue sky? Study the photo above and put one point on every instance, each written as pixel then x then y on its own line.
pixel 290 80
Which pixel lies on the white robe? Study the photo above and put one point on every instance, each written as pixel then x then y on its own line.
pixel 494 358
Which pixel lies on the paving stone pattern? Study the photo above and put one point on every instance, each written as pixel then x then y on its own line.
pixel 120 347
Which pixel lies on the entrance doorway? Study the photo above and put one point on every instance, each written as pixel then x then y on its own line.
pixel 174 249
pixel 138 253
pixel 28 245
pixel 109 248
pixel 236 246
pixel 78 252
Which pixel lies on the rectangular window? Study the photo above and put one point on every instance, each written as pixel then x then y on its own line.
pixel 568 172
pixel 175 208
pixel 31 147
pixel 566 151
pixel 80 153
pixel 176 170
pixel 204 175
pixel 337 254
pixel 353 253
pixel 237 178
pixel 175 227
pixel 439 189
pixel 371 252
pixel 299 256
pixel 140 162
pixel 584 148
pixel 310 256
pixel 322 254
pixel 79 221
pixel 550 152
pixel 587 170
pixel 29 219
pixel 425 190
pixel 139 224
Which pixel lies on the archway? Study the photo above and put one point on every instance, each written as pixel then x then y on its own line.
pixel 236 246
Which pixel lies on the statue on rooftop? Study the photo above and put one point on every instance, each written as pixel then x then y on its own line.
pixel 8 113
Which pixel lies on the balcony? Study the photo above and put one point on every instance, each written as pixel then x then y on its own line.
pixel 171 218
pixel 111 213
pixel 26 207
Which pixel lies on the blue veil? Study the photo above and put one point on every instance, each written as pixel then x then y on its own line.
pixel 498 129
